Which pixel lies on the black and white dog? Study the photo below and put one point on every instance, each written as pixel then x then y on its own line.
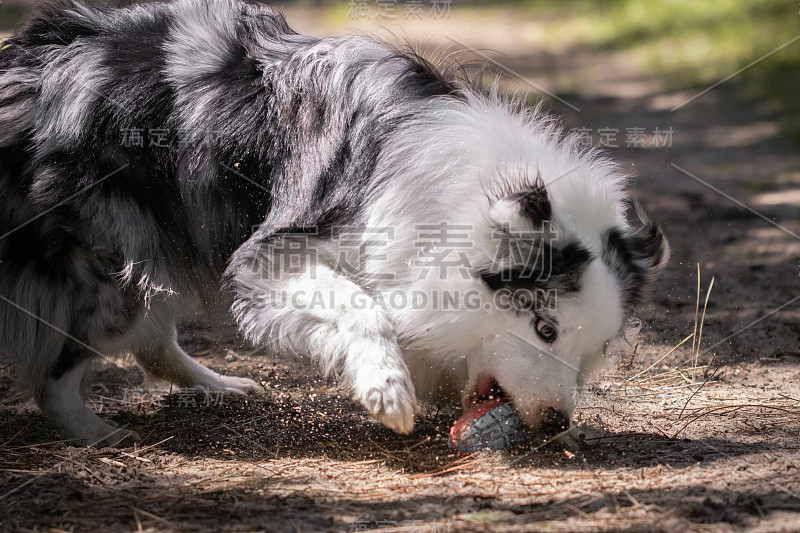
pixel 407 232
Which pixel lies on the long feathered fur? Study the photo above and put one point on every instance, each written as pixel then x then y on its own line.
pixel 268 139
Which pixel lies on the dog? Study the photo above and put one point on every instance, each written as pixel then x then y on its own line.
pixel 419 237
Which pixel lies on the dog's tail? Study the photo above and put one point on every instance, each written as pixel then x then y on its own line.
pixel 34 290
pixel 34 321
pixel 34 301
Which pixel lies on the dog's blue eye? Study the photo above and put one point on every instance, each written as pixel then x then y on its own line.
pixel 545 330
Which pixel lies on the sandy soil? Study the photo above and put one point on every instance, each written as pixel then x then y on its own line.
pixel 682 446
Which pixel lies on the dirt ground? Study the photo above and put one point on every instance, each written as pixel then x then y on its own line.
pixel 661 443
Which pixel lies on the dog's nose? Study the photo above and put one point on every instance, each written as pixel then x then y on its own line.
pixel 554 421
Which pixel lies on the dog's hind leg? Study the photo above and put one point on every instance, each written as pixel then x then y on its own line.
pixel 156 349
pixel 48 327
pixel 60 400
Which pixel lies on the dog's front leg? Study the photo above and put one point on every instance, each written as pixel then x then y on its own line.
pixel 316 311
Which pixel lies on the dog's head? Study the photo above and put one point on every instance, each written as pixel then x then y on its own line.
pixel 559 257
pixel 567 269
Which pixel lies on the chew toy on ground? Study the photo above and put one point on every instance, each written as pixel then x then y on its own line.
pixel 491 424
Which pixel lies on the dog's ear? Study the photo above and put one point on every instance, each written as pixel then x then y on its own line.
pixel 530 204
pixel 650 241
pixel 637 253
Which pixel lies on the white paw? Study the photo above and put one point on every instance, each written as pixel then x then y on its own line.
pixel 231 384
pixel 391 400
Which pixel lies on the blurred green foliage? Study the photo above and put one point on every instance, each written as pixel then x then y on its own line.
pixel 695 43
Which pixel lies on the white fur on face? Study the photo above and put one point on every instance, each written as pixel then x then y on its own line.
pixel 537 375
pixel 477 149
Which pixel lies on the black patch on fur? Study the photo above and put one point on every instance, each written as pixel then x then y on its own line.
pixel 53 24
pixel 635 256
pixel 422 79
pixel 136 96
pixel 534 203
pixel 559 269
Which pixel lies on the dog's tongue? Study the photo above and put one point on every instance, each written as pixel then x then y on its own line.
pixel 484 386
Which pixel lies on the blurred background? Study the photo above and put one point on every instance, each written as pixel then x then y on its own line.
pixel 686 42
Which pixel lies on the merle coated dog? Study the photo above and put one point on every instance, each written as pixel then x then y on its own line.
pixel 414 235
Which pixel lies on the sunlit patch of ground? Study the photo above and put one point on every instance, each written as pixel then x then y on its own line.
pixel 673 447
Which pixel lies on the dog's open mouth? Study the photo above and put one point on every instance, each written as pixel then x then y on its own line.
pixel 487 389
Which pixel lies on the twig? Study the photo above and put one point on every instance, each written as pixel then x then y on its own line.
pixel 152 516
pixel 420 443
pixel 695 394
pixel 736 407
pixel 140 450
pixel 6 443
pixel 445 470
pixel 696 311
pixel 662 358
pixel 700 335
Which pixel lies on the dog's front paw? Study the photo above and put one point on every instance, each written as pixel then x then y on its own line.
pixel 392 401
